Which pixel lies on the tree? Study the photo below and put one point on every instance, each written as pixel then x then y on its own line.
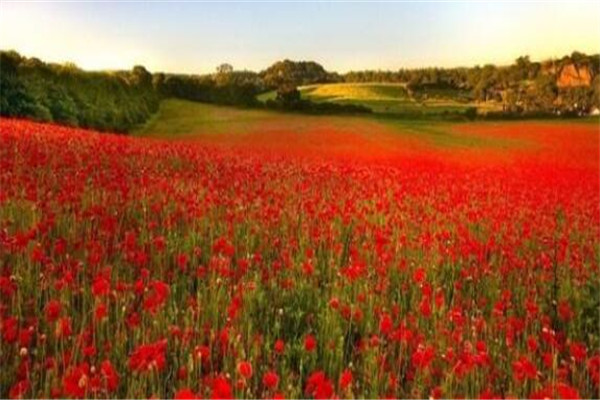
pixel 541 96
pixel 224 73
pixel 487 80
pixel 596 91
pixel 141 77
pixel 158 83
pixel 578 100
pixel 288 96
pixel 113 101
pixel 295 73
pixel 224 69
pixel 521 67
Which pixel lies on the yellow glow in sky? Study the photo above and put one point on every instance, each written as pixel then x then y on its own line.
pixel 196 37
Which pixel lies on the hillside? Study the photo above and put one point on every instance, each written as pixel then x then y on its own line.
pixel 181 119
pixel 356 91
pixel 395 99
pixel 121 100
pixel 398 98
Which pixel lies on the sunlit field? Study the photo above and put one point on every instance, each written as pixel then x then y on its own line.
pixel 300 257
pixel 393 98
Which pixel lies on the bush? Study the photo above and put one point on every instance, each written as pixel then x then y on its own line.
pixel 33 89
pixel 471 113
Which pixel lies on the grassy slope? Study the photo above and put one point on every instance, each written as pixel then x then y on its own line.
pixel 181 118
pixel 356 91
pixel 380 97
pixel 185 119
pixel 389 98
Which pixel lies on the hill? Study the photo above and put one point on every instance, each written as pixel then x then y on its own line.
pixel 395 99
pixel 181 119
pixel 121 100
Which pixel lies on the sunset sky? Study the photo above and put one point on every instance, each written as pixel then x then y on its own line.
pixel 195 37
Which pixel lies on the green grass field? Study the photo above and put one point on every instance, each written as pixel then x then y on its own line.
pixel 391 98
pixel 356 91
pixel 181 118
pixel 177 119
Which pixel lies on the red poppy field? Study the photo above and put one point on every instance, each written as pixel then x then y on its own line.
pixel 336 267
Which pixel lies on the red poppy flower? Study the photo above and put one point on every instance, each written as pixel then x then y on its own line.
pixel 19 390
pixel 564 311
pixel 157 296
pixel 345 379
pixel 109 375
pixel 419 275
pixel 221 389
pixel 310 343
pixel 423 356
pixel 245 369
pixel 76 382
pixel 279 346
pixel 270 380
pixel 385 324
pixel 184 394
pixel 100 286
pixel 100 312
pixel 53 309
pixel 578 351
pixel 148 357
pixel 318 386
pixel 524 369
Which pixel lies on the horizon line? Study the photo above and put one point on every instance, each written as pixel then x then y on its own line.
pixel 342 72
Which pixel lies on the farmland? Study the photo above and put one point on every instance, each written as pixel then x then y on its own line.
pixel 393 98
pixel 179 119
pixel 227 252
pixel 299 200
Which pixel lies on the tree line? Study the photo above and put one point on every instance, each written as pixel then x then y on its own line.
pixel 114 101
pixel 120 100
pixel 522 87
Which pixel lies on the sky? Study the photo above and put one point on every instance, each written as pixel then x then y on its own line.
pixel 195 37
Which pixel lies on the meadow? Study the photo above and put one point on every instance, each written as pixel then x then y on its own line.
pixel 242 253
pixel 394 99
pixel 181 119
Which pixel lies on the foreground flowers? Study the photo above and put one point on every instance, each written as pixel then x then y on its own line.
pixel 138 268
